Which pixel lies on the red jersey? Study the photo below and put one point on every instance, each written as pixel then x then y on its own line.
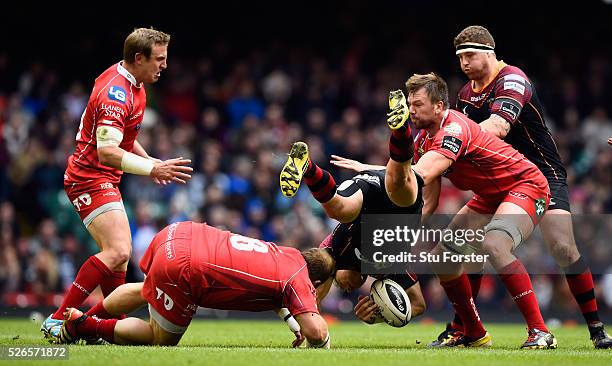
pixel 117 101
pixel 234 272
pixel 483 163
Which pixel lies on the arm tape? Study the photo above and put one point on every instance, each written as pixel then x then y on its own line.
pixel 108 136
pixel 289 319
pixel 134 164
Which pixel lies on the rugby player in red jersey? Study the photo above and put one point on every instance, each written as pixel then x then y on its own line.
pixel 190 264
pixel 511 195
pixel 503 99
pixel 106 147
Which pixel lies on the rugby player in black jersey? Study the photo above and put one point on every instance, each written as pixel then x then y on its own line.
pixel 503 99
pixel 366 193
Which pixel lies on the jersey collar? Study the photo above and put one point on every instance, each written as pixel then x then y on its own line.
pixel 126 74
pixel 446 112
pixel 500 65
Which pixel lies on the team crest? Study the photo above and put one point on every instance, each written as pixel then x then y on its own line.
pixel 540 206
pixel 453 128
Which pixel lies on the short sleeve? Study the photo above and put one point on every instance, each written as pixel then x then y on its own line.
pixel 300 295
pixel 511 92
pixel 450 140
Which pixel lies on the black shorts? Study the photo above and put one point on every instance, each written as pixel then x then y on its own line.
pixel 345 246
pixel 559 194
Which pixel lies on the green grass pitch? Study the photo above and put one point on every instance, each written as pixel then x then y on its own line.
pixel 254 343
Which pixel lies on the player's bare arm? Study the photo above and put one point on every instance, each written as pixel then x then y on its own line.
pixel 431 197
pixel 431 166
pixel 496 125
pixel 353 165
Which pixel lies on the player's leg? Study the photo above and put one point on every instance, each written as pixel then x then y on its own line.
pixel 123 300
pixel 400 181
pixel 341 203
pixel 104 216
pixel 513 222
pixel 457 285
pixel 558 235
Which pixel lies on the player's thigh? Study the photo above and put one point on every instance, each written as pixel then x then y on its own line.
pixel 417 300
pixel 511 218
pixel 111 229
pixel 162 337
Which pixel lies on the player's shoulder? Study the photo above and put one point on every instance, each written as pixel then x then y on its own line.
pixel 466 90
pixel 112 87
pixel 512 73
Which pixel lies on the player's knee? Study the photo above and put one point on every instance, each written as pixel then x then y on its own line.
pixel 120 254
pixel 497 243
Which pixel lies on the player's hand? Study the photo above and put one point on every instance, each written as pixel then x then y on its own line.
pixel 349 164
pixel 367 311
pixel 299 339
pixel 156 180
pixel 174 170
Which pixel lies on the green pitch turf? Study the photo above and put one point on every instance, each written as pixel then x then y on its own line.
pixel 255 343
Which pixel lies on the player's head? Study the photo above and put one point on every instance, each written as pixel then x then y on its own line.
pixel 427 99
pixel 145 53
pixel 320 265
pixel 475 48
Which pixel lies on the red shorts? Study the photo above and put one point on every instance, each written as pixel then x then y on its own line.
pixel 534 200
pixel 90 199
pixel 167 289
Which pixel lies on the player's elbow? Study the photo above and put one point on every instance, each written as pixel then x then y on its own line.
pixel 104 156
pixel 316 334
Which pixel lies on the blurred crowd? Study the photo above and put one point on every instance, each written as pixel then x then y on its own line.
pixel 236 118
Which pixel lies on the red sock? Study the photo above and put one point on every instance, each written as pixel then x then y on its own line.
pixel 100 328
pixel 518 283
pixel 91 274
pixel 112 282
pixel 475 281
pixel 320 182
pixel 580 282
pixel 401 144
pixel 460 295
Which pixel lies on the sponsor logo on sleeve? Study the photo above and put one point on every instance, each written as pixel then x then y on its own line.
pixel 516 86
pixel 515 77
pixel 117 93
pixel 452 144
pixel 112 111
pixel 511 109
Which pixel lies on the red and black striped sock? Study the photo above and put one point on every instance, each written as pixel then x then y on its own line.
pixel 475 281
pixel 580 281
pixel 401 144
pixel 320 182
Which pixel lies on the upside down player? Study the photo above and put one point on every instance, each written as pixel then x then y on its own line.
pixel 505 102
pixel 366 193
pixel 106 147
pixel 190 264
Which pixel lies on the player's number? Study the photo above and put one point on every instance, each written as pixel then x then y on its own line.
pixel 84 199
pixel 247 244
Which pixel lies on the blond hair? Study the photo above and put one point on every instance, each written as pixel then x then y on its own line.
pixel 141 40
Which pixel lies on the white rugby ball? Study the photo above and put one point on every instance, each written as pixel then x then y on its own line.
pixel 392 301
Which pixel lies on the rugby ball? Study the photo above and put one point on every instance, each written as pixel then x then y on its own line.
pixel 392 301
